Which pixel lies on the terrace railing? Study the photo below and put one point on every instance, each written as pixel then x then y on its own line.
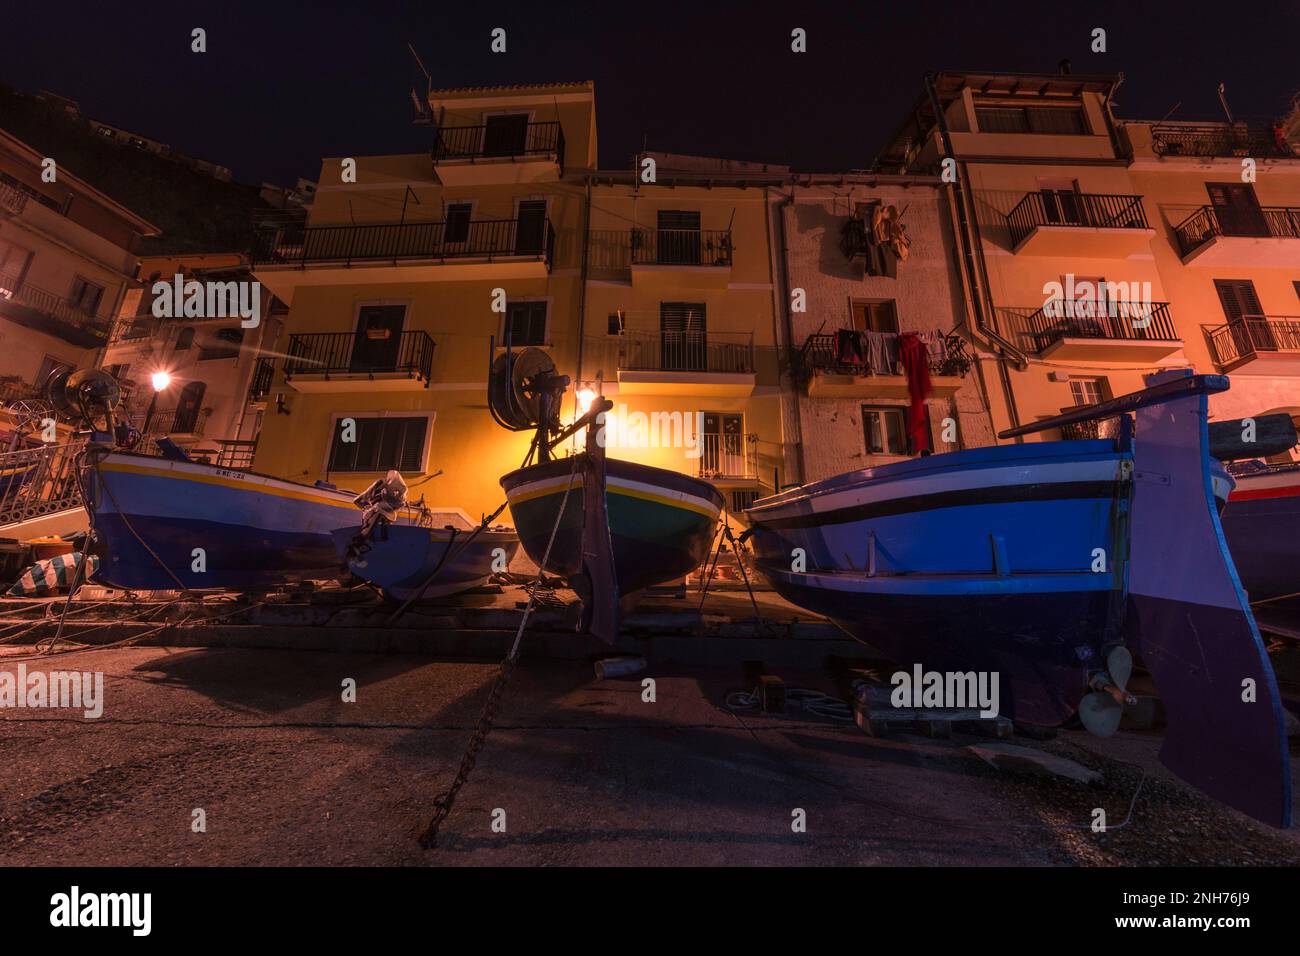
pixel 345 245
pixel 169 421
pixel 12 201
pixel 1111 320
pixel 334 353
pixel 1217 139
pixel 686 351
pixel 727 456
pixel 1062 208
pixel 681 247
pixel 1276 222
pixel 821 353
pixel 56 306
pixel 483 142
pixel 38 481
pixel 1251 334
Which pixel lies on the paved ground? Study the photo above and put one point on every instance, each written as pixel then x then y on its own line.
pixel 586 772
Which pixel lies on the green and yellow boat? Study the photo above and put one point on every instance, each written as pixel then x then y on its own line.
pixel 661 523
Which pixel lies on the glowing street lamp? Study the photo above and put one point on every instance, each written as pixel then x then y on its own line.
pixel 160 380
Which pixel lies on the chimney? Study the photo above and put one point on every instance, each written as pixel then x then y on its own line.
pixel 1064 67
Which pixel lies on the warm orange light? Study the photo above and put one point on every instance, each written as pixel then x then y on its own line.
pixel 585 397
pixel 161 380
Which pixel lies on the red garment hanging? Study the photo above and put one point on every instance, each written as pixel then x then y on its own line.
pixel 916 365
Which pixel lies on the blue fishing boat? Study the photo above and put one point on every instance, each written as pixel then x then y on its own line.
pixel 255 532
pixel 427 555
pixel 1051 564
pixel 1262 525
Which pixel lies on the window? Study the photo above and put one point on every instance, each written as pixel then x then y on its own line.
pixel 382 444
pixel 85 295
pixel 875 316
pixel 457 228
pixel 742 498
pixel 1031 119
pixel 615 326
pixel 884 428
pixel 1086 391
pixel 13 266
pixel 117 371
pixel 49 365
pixel 526 323
pixel 184 340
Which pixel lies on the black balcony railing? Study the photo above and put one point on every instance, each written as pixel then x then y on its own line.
pixel 1249 335
pixel 345 245
pixel 259 386
pixel 341 353
pixel 681 247
pixel 12 199
pixel 826 352
pixel 489 142
pixel 1267 222
pixel 1109 320
pixel 53 305
pixel 1218 139
pixel 686 351
pixel 1063 208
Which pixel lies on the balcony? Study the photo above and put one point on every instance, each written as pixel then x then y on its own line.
pixel 12 200
pixel 1111 331
pixel 829 370
pixel 684 363
pixel 348 362
pixel 482 155
pixel 1221 237
pixel 1060 223
pixel 1218 140
pixel 180 424
pixel 727 457
pixel 696 258
pixel 1258 345
pixel 289 256
pixel 40 309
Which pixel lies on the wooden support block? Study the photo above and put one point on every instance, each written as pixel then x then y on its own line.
pixel 771 694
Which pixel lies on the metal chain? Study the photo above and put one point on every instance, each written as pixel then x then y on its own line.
pixel 443 803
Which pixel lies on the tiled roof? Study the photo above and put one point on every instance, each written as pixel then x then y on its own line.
pixel 517 87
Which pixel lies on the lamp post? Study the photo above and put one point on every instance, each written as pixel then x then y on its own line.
pixel 160 381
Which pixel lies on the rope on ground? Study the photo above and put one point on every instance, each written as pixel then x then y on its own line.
pixel 444 801
pixel 813 701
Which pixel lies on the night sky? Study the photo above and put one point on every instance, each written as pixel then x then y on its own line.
pixel 284 84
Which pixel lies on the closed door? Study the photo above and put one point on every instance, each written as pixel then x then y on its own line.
pixel 378 340
pixel 187 408
pixel 1250 330
pixel 530 232
pixel 1237 209
pixel 505 135
pixel 683 336
pixel 678 238
pixel 724 445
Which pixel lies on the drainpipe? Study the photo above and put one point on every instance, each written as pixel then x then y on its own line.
pixel 967 235
pixel 582 281
pixel 783 260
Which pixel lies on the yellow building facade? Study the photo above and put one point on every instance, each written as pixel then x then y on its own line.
pixel 1096 251
pixel 411 271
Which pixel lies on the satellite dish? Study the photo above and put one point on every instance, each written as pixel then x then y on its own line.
pixel 516 384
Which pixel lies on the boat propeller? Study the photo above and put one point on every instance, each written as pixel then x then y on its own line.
pixel 1101 710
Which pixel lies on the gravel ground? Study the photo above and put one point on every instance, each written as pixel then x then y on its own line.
pixel 585 771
